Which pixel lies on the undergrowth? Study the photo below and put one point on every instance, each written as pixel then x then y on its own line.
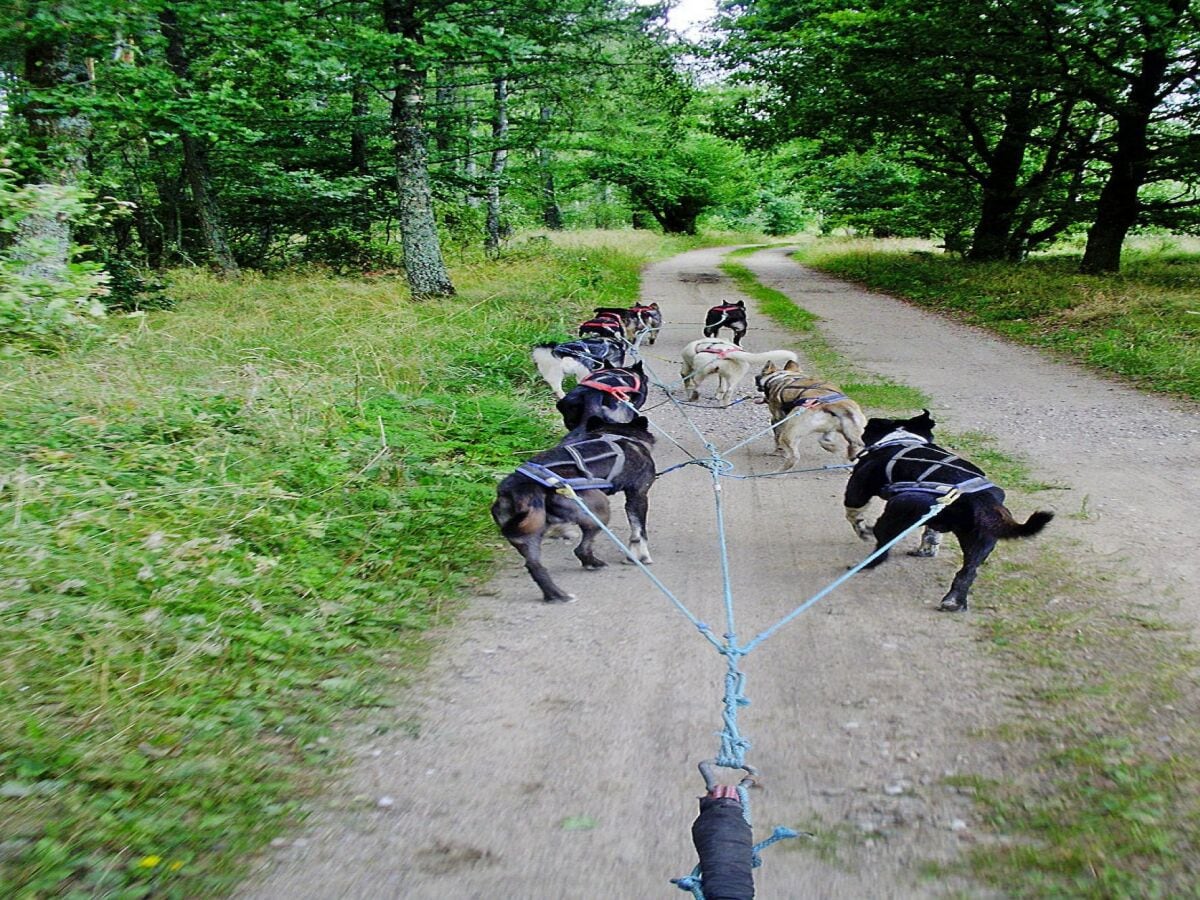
pixel 226 526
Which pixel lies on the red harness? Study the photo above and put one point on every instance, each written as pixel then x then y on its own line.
pixel 621 392
pixel 720 353
pixel 730 308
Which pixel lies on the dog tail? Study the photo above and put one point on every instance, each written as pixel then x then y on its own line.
pixel 1033 525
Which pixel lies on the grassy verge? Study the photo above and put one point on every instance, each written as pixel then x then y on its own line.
pixel 871 392
pixel 1142 325
pixel 1105 733
pixel 224 527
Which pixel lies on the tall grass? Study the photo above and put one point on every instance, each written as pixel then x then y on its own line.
pixel 1142 325
pixel 225 526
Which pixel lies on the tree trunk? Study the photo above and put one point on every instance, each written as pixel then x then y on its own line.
pixel 1001 188
pixel 195 155
pixel 43 241
pixel 423 264
pixel 1118 206
pixel 551 213
pixel 496 171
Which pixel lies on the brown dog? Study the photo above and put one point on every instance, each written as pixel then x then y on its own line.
pixel 802 404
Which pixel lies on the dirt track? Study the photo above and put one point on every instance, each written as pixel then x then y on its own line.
pixel 557 744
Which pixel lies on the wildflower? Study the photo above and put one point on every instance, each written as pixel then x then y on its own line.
pixel 149 862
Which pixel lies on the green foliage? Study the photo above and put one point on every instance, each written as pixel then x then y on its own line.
pixel 42 303
pixel 224 528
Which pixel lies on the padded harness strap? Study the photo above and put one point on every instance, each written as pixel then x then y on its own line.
pixel 627 383
pixel 925 483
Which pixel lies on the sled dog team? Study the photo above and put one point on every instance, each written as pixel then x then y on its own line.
pixel 607 448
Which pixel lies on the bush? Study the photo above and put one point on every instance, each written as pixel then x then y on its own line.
pixel 43 299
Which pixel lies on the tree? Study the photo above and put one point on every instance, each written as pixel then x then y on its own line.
pixel 1136 61
pixel 964 87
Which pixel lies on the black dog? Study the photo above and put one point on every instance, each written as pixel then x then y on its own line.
pixel 597 459
pixel 729 315
pixel 613 395
pixel 605 325
pixel 902 465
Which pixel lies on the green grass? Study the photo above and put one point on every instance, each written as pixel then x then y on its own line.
pixel 1108 804
pixel 226 527
pixel 1104 739
pixel 1142 325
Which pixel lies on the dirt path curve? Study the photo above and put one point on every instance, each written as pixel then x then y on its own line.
pixel 556 747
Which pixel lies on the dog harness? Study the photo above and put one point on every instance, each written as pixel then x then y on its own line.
pixel 595 354
pixel 802 402
pixel 610 326
pixel 584 455
pixel 724 309
pixel 720 352
pixel 621 384
pixel 925 483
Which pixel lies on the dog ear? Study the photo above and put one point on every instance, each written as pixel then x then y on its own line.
pixel 925 420
pixel 637 367
pixel 742 304
pixel 792 366
pixel 654 305
pixel 641 423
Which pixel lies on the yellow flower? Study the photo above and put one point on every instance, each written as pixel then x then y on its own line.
pixel 176 866
pixel 149 862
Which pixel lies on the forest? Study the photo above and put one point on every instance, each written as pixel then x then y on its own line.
pixel 270 273
pixel 365 136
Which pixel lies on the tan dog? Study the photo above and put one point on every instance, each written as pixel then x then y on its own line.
pixel 809 404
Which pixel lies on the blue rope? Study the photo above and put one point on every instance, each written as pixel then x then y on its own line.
pixel 733 746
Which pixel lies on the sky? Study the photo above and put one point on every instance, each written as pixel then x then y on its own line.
pixel 687 15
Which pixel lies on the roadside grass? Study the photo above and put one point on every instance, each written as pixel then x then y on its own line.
pixel 1142 325
pixel 226 527
pixel 872 393
pixel 1104 800
pixel 1109 802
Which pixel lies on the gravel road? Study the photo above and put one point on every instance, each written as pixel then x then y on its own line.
pixel 556 748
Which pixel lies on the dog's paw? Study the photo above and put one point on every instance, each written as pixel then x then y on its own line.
pixel 924 552
pixel 950 604
pixel 595 564
pixel 564 598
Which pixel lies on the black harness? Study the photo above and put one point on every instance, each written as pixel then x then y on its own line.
pixel 591 457
pixel 930 480
pixel 595 353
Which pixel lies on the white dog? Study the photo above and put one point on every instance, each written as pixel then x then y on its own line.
pixel 729 361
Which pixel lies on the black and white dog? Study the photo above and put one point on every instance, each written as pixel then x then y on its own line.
pixel 613 395
pixel 638 320
pixel 902 465
pixel 728 315
pixel 578 358
pixel 597 459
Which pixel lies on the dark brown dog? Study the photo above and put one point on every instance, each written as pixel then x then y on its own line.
pixel 598 459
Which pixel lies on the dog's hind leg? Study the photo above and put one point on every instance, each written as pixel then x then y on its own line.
pixel 976 548
pixel 598 504
pixel 527 540
pixel 637 508
pixel 931 542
